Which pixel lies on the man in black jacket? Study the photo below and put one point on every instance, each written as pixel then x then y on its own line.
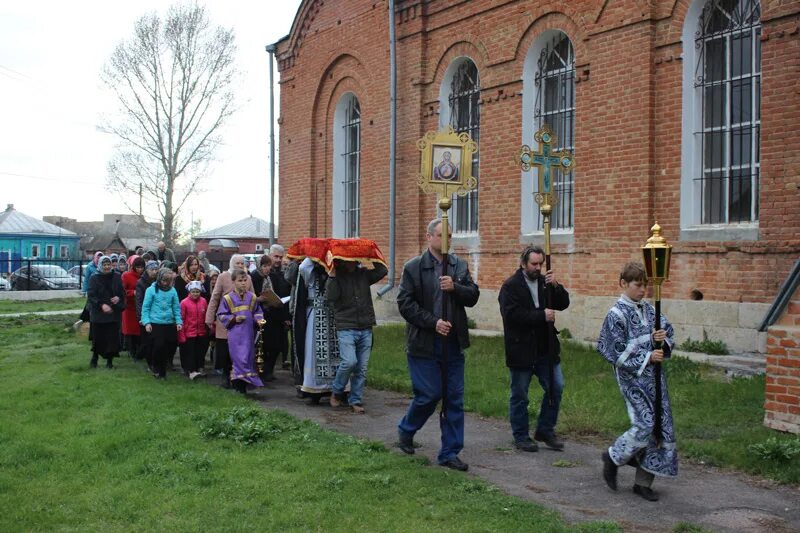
pixel 526 330
pixel 420 301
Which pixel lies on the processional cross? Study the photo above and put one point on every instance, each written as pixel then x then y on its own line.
pixel 545 160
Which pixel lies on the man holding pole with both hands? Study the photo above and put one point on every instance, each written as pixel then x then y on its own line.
pixel 532 347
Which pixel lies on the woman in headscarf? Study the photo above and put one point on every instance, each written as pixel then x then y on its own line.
pixel 188 272
pixel 90 269
pixel 224 285
pixel 130 320
pixel 106 299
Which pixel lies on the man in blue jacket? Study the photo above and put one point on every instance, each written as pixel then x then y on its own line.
pixel 420 301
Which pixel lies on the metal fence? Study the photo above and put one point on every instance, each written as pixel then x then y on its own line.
pixel 41 274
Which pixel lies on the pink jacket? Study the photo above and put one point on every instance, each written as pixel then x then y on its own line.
pixel 193 314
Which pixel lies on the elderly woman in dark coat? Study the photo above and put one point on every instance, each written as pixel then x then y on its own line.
pixel 106 299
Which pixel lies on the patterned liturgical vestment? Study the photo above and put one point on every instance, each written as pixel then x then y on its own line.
pixel 625 342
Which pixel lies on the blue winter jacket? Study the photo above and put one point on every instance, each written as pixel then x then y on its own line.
pixel 90 269
pixel 160 306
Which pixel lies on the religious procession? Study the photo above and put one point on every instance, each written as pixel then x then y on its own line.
pixel 318 292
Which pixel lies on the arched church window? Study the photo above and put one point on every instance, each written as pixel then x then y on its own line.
pixel 555 106
pixel 727 83
pixel 347 167
pixel 464 116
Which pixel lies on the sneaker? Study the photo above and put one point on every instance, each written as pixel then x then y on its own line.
pixel 336 400
pixel 405 443
pixel 77 325
pixel 456 464
pixel 358 409
pixel 610 471
pixel 193 375
pixel 526 446
pixel 551 441
pixel 646 492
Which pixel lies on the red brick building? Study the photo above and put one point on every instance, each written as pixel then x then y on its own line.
pixel 246 236
pixel 684 112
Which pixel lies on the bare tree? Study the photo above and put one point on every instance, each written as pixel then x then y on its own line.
pixel 173 80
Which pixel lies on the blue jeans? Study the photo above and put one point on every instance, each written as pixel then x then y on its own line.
pixel 426 380
pixel 354 350
pixel 518 404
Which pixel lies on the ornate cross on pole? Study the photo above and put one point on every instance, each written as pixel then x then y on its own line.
pixel 544 160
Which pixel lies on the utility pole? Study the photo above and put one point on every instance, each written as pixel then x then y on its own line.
pixel 271 51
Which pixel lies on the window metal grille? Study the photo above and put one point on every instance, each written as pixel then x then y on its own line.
pixel 555 106
pixel 728 76
pixel 352 168
pixel 465 115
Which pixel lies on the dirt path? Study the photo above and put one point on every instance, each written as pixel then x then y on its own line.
pixel 568 481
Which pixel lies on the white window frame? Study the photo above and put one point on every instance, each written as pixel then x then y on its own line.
pixel 343 197
pixel 530 227
pixel 64 251
pixel 692 228
pixel 37 248
pixel 49 251
pixel 445 118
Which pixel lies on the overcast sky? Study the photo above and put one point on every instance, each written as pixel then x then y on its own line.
pixel 52 157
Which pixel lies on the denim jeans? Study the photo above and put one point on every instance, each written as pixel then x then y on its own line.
pixel 518 404
pixel 426 381
pixel 354 350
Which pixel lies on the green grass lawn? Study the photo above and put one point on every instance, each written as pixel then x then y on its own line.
pixel 60 304
pixel 716 419
pixel 100 450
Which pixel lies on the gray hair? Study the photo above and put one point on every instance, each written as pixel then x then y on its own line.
pixel 277 248
pixel 432 225
pixel 234 258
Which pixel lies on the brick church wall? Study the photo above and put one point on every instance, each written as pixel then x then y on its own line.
pixel 782 396
pixel 628 142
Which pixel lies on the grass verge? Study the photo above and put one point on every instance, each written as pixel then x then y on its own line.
pixel 37 306
pixel 99 450
pixel 718 421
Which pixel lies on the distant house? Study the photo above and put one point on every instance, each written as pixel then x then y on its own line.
pixel 247 236
pixel 116 233
pixel 25 237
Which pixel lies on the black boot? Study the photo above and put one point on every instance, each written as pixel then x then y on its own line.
pixel 109 363
pixel 93 362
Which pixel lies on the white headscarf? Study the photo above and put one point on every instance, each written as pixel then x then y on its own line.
pixel 234 259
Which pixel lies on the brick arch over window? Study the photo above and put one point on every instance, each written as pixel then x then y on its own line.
pixel 344 74
pixel 473 49
pixel 554 21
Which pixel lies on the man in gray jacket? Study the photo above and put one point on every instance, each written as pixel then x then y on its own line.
pixel 347 289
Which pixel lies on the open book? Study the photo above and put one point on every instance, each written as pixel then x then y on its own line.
pixel 272 299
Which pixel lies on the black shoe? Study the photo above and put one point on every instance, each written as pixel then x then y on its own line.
pixel 645 492
pixel 551 441
pixel 456 464
pixel 405 443
pixel 526 446
pixel 609 471
pixel 109 364
pixel 93 362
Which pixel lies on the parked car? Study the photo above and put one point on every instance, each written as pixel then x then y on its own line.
pixel 42 277
pixel 76 271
